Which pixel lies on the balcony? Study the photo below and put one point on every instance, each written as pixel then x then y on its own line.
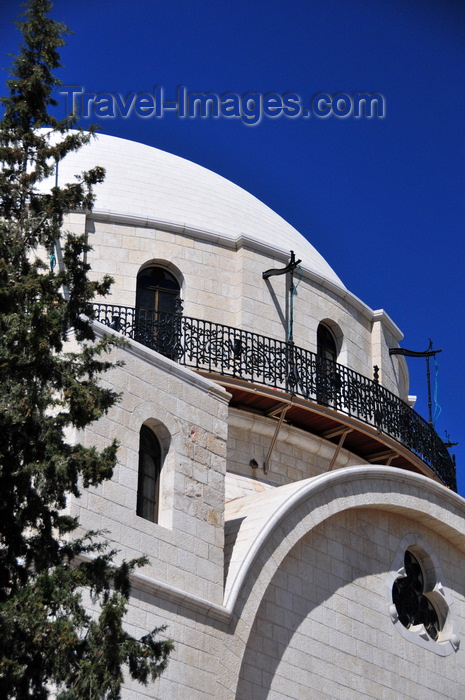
pixel 326 398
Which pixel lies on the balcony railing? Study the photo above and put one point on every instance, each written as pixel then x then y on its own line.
pixel 213 347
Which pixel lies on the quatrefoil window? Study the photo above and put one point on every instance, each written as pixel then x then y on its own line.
pixel 420 606
pixel 410 597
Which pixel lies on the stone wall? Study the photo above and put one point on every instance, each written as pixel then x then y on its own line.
pixel 322 626
pixel 189 416
pixel 323 629
pixel 224 284
pixel 296 455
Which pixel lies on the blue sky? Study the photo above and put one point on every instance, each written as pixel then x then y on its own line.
pixel 383 200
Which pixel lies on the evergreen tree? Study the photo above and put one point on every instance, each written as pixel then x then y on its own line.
pixel 48 641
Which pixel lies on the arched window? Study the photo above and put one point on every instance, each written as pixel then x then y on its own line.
pixel 150 463
pixel 157 310
pixel 328 380
pixel 157 290
pixel 326 345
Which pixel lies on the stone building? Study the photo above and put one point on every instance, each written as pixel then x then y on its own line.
pixel 304 535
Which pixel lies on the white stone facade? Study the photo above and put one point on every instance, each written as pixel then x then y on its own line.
pixel 277 544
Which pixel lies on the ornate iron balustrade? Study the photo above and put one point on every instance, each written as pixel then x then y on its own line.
pixel 213 347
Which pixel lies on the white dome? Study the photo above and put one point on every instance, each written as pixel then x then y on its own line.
pixel 146 183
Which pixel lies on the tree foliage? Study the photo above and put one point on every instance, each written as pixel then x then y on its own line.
pixel 48 639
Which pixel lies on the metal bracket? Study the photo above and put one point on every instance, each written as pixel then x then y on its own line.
pixel 283 412
pixel 344 434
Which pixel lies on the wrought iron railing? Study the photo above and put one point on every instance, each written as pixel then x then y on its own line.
pixel 228 351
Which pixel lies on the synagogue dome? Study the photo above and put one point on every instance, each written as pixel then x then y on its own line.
pixel 154 187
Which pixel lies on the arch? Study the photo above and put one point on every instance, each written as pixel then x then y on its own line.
pixel 277 520
pixel 297 507
pixel 149 473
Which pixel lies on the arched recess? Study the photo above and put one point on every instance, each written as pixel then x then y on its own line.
pixel 167 431
pixel 158 287
pixel 149 473
pixel 326 342
pixel 158 306
pixel 329 343
pixel 153 448
pixel 278 520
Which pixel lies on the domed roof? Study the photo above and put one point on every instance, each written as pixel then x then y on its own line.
pixel 148 184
